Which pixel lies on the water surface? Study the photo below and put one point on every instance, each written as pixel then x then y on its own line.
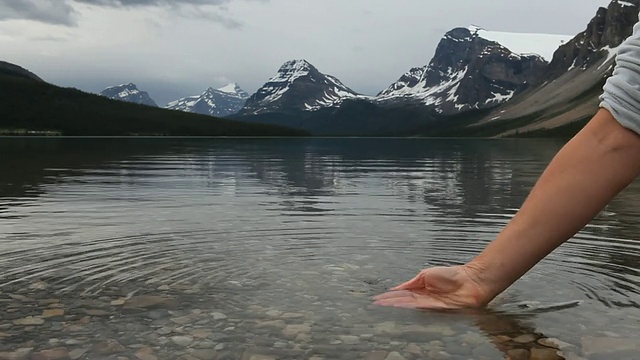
pixel 272 249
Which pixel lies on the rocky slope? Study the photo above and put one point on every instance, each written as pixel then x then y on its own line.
pixel 225 101
pixel 129 93
pixel 474 69
pixel 573 80
pixel 298 87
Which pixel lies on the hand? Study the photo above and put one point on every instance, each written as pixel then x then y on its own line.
pixel 439 288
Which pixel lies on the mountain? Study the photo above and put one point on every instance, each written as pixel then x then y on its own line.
pixel 227 100
pixel 474 69
pixel 298 87
pixel 129 93
pixel 572 83
pixel 32 106
pixel 9 69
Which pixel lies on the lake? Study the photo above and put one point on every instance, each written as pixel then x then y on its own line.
pixel 262 249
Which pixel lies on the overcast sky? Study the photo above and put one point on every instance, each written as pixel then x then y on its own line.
pixel 175 48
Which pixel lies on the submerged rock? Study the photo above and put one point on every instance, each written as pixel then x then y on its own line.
pixel 271 324
pixel 376 355
pixel 545 354
pixel 109 347
pixel 29 321
pixel 20 354
pixel 291 331
pixel 52 313
pixel 394 356
pixel 183 341
pixel 77 353
pixel 518 354
pixel 51 354
pixel 601 345
pixel 150 302
pixel 525 339
pixel 204 354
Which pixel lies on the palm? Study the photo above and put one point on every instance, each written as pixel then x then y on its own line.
pixel 436 288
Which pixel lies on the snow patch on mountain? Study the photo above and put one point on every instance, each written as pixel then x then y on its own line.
pixel 292 70
pixel 625 3
pixel 233 89
pixel 428 95
pixel 611 54
pixel 500 98
pixel 524 43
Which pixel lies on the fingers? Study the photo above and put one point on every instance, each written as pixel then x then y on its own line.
pixel 403 301
pixel 414 301
pixel 415 283
pixel 409 300
pixel 401 305
pixel 393 295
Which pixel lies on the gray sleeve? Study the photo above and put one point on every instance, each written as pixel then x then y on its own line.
pixel 622 90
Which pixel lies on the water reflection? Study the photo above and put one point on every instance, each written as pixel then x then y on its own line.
pixel 29 165
pixel 517 337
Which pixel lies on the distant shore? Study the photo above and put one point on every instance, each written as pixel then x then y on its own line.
pixel 25 132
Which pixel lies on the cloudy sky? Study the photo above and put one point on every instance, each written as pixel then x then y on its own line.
pixel 175 48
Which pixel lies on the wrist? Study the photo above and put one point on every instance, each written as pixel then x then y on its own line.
pixel 488 285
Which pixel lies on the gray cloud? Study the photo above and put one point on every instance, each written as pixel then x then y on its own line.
pixel 62 12
pixel 119 3
pixel 198 12
pixel 47 11
pixel 49 38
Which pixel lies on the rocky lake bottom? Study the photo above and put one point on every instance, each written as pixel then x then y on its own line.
pixel 184 321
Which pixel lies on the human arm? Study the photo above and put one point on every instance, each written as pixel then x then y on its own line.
pixel 602 160
pixel 584 176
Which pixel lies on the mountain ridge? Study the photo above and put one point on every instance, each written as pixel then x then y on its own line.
pixel 33 106
pixel 298 86
pixel 10 69
pixel 467 73
pixel 221 102
pixel 130 93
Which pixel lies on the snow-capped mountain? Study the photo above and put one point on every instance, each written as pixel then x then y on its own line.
pixel 129 93
pixel 298 86
pixel 225 101
pixel 475 69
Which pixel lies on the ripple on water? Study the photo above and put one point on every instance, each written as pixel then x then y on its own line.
pixel 209 257
pixel 259 256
